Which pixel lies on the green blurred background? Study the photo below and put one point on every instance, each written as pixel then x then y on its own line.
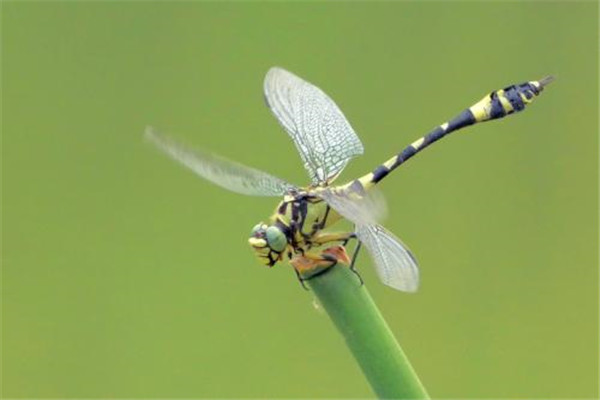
pixel 126 276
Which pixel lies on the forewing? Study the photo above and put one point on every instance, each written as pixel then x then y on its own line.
pixel 394 263
pixel 321 133
pixel 220 171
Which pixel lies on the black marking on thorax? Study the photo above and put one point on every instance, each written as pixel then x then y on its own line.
pixel 283 207
pixel 287 231
pixel 298 208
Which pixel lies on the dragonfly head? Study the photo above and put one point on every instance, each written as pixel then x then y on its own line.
pixel 269 242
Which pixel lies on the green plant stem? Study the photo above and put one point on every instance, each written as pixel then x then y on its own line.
pixel 370 340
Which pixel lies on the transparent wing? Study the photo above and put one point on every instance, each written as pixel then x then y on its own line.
pixel 220 171
pixel 394 263
pixel 321 133
pixel 355 204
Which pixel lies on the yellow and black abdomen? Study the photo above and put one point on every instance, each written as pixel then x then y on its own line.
pixel 495 105
pixel 506 101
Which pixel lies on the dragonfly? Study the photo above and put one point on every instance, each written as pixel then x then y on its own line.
pixel 298 230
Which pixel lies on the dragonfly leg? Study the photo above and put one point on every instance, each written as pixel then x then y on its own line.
pixel 323 259
pixel 301 279
pixel 325 217
pixel 343 237
pixel 319 225
pixel 326 237
pixel 313 263
pixel 351 236
pixel 352 267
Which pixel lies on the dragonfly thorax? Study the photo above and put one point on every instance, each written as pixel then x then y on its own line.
pixel 293 228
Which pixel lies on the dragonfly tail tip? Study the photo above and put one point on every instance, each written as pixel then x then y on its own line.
pixel 546 80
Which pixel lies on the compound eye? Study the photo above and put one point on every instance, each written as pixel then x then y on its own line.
pixel 258 230
pixel 276 239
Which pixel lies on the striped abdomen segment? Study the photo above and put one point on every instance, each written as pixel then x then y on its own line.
pixel 495 105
